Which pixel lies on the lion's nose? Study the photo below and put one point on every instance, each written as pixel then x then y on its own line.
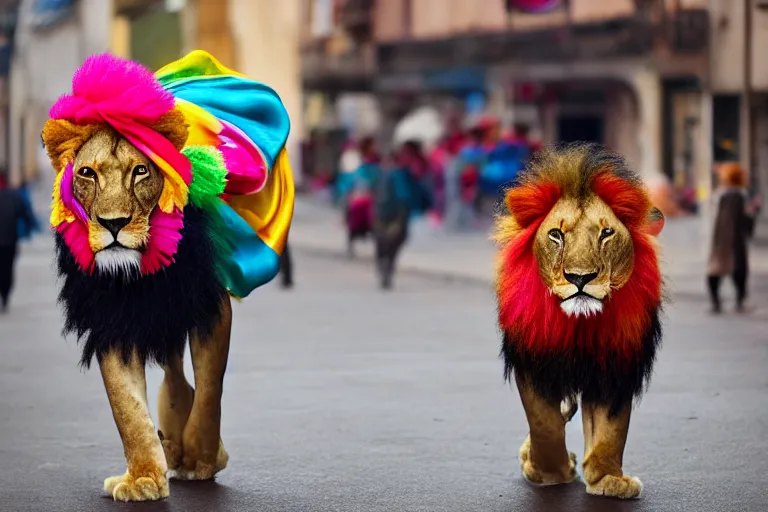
pixel 580 280
pixel 114 225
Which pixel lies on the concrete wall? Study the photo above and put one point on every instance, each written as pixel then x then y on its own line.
pixel 388 20
pixel 727 57
pixel 621 124
pixel 41 71
pixel 432 18
pixel 583 11
pixel 727 21
pixel 759 45
pixel 212 21
pixel 437 18
pixel 266 39
pixel 443 18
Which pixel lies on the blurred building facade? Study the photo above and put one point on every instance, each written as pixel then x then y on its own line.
pixel 257 37
pixel 338 70
pixel 664 82
pixel 8 19
pixel 52 38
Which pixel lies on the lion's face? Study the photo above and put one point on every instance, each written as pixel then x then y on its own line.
pixel 119 188
pixel 584 252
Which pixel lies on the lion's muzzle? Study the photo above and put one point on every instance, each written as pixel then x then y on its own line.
pixel 581 304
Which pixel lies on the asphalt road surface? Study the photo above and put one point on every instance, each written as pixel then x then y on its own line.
pixel 339 397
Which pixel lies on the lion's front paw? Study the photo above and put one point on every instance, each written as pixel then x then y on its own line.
pixel 143 488
pixel 624 487
pixel 533 475
pixel 195 469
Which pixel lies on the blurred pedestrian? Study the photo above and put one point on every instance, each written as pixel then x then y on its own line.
pixel 355 193
pixel 462 176
pixel 411 158
pixel 27 229
pixel 521 134
pixel 286 268
pixel 441 157
pixel 13 209
pixel 392 210
pixel 349 162
pixel 732 230
pixel 504 159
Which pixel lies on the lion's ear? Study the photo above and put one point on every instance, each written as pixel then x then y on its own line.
pixel 654 223
pixel 173 127
pixel 529 202
pixel 63 139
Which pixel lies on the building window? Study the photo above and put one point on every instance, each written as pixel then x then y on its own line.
pixel 322 18
pixel 726 115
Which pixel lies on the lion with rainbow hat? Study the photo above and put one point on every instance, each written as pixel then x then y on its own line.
pixel 173 193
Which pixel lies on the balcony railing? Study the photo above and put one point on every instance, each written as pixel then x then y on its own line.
pixel 135 7
pixel 688 30
pixel 356 17
pixel 356 13
pixel 320 66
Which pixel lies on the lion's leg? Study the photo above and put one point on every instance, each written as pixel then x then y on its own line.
pixel 127 391
pixel 204 453
pixel 604 439
pixel 544 458
pixel 568 408
pixel 174 404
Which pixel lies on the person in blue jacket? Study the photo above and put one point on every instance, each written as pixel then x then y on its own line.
pixel 28 227
pixel 504 158
pixel 14 213
pixel 353 192
pixel 391 212
pixel 461 182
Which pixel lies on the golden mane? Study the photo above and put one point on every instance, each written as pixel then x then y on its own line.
pixel 566 171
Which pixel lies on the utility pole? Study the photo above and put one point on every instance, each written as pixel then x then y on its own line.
pixel 748 137
pixel 704 160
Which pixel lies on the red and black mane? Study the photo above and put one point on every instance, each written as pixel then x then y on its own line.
pixel 607 358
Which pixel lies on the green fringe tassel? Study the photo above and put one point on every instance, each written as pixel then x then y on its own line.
pixel 209 175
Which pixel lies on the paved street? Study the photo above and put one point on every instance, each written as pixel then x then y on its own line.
pixel 339 397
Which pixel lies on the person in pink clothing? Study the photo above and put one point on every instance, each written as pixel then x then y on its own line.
pixel 440 158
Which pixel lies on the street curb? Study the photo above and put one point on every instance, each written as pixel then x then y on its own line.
pixel 402 268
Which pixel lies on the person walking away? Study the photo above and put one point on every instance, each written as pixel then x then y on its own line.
pixel 461 181
pixel 349 162
pixel 440 158
pixel 521 134
pixel 286 268
pixel 356 196
pixel 411 158
pixel 733 221
pixel 504 160
pixel 12 210
pixel 27 229
pixel 392 210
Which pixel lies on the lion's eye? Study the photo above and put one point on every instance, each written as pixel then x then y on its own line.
pixel 556 236
pixel 87 172
pixel 605 233
pixel 140 170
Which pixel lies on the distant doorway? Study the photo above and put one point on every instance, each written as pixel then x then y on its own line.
pixel 582 128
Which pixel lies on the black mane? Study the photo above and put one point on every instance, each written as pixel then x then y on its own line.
pixel 558 376
pixel 153 314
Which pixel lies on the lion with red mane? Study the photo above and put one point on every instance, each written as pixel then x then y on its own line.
pixel 579 296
